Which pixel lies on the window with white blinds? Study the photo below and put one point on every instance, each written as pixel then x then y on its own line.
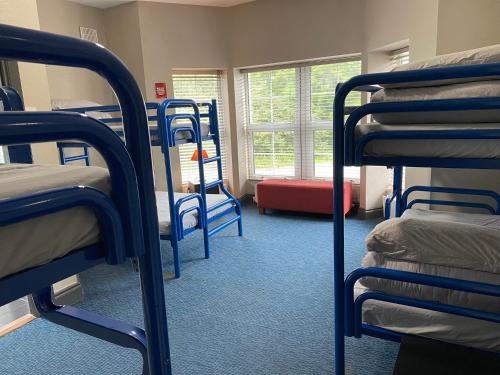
pixel 203 86
pixel 289 119
pixel 399 57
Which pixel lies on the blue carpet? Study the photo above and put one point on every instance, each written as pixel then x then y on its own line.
pixel 262 304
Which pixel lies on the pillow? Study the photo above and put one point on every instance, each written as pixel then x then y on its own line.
pixel 484 55
pixel 71 103
pixel 455 91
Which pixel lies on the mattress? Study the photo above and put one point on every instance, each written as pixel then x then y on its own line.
pixel 429 293
pixel 436 325
pixel 438 148
pixel 153 129
pixel 456 91
pixel 190 220
pixel 483 55
pixel 38 241
pixel 449 244
pixel 453 239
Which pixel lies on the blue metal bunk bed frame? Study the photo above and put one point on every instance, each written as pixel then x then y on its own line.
pixel 348 151
pixel 164 135
pixel 128 220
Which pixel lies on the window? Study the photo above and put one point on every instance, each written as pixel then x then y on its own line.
pixel 202 87
pixel 289 119
pixel 399 57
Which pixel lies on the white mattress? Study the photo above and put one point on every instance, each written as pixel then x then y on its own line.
pixel 451 328
pixel 438 148
pixel 428 293
pixel 482 55
pixel 181 135
pixel 190 220
pixel 452 239
pixel 448 244
pixel 40 240
pixel 456 91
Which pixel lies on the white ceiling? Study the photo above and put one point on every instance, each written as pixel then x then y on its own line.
pixel 111 3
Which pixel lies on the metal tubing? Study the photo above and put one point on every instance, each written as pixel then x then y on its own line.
pixel 338 227
pixel 113 331
pixel 45 48
pixel 441 202
pixel 34 127
pixel 421 304
pixel 397 188
pixel 459 191
pixel 36 205
pixel 222 226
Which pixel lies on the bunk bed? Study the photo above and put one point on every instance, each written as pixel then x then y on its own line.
pixel 427 272
pixel 108 215
pixel 174 123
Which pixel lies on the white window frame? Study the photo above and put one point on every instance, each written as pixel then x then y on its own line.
pixel 304 126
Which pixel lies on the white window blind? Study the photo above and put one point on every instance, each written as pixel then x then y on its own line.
pixel 399 57
pixel 202 87
pixel 289 119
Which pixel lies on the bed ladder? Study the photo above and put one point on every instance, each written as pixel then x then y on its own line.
pixel 232 203
pixel 64 159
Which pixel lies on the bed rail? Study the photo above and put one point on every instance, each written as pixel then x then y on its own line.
pixel 354 306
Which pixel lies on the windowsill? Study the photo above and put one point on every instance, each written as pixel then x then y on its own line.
pixel 355 181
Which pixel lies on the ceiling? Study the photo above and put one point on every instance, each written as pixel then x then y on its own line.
pixel 111 3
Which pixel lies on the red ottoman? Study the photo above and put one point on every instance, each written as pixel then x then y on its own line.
pixel 300 195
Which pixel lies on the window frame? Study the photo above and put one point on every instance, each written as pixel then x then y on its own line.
pixel 304 127
pixel 221 78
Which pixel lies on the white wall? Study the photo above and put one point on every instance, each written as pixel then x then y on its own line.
pixel 33 77
pixel 465 25
pixel 271 31
pixel 65 18
pixel 388 24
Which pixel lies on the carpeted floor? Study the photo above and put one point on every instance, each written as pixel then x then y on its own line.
pixel 261 305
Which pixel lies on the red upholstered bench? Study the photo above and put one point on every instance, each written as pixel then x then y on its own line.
pixel 300 195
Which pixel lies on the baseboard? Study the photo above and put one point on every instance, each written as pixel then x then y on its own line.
pixel 370 214
pixel 247 198
pixel 70 295
pixel 16 324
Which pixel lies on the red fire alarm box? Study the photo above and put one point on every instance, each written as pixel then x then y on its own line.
pixel 160 90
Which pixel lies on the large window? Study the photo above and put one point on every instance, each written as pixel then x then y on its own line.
pixel 202 87
pixel 289 119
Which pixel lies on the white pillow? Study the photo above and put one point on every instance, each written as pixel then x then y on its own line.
pixel 483 55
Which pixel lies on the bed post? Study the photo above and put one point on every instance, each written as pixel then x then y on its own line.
pixel 397 188
pixel 338 229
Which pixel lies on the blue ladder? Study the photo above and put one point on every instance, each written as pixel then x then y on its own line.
pixel 231 201
pixel 85 156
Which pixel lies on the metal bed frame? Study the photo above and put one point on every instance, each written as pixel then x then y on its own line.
pixel 164 136
pixel 128 220
pixel 348 152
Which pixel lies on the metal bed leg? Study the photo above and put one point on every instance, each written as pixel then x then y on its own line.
pixel 153 300
pixel 206 241
pixel 240 221
pixel 397 188
pixel 113 331
pixel 177 260
pixel 338 231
